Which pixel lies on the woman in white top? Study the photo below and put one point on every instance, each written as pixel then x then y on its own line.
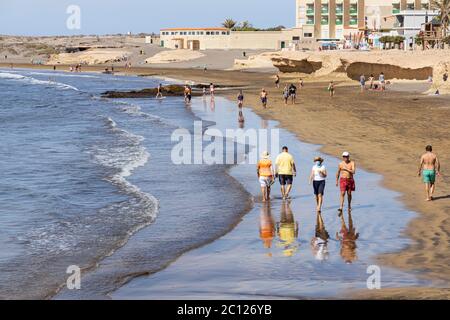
pixel 317 177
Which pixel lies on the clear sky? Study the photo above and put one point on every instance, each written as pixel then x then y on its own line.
pixel 48 17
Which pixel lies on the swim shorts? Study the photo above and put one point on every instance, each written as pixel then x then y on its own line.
pixel 347 184
pixel 265 181
pixel 285 179
pixel 264 100
pixel 319 187
pixel 429 176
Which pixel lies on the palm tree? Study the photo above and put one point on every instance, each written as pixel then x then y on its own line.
pixel 229 23
pixel 246 25
pixel 443 7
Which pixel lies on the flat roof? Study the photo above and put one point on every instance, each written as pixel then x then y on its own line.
pixel 194 29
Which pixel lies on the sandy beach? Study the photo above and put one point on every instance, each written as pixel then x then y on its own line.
pixel 386 132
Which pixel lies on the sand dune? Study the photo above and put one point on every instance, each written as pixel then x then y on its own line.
pixel 90 57
pixel 174 56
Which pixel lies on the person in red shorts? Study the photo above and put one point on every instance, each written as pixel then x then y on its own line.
pixel 344 178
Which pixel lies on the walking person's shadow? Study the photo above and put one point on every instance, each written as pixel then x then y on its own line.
pixel 441 197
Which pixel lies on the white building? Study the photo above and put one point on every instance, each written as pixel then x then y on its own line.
pixel 223 38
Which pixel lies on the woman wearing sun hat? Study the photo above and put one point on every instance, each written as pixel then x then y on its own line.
pixel 318 177
pixel 265 175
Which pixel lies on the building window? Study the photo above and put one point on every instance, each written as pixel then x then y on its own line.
pixel 295 38
pixel 224 33
pixel 324 20
pixel 208 33
pixel 310 8
pixel 308 35
pixel 310 20
pixel 425 6
pixel 339 20
pixel 324 8
pixel 339 8
pixel 353 20
pixel 353 8
pixel 410 6
pixel 396 7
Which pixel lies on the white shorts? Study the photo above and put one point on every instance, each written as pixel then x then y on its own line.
pixel 265 181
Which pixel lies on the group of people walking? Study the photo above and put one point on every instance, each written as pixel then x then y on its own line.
pixel 285 171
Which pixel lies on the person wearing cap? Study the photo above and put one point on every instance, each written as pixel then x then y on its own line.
pixel 344 179
pixel 264 171
pixel 317 178
pixel 286 171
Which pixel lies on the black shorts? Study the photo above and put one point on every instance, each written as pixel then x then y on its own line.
pixel 319 187
pixel 285 179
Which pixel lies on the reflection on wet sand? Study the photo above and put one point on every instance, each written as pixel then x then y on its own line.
pixel 348 236
pixel 319 243
pixel 241 119
pixel 287 230
pixel 267 226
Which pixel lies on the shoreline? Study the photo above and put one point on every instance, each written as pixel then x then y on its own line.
pixel 367 139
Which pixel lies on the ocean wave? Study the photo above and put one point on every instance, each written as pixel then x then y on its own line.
pixel 34 81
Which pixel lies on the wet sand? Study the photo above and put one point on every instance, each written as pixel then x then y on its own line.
pixel 386 133
pixel 263 258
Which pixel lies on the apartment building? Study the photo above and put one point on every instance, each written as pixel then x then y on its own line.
pixel 336 19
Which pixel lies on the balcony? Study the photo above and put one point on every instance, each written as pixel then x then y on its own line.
pixel 353 9
pixel 394 11
pixel 353 20
pixel 309 11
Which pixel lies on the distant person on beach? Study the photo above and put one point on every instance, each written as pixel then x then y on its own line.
pixel 345 179
pixel 266 226
pixel 204 92
pixel 188 94
pixel 317 178
pixel 293 93
pixel 319 243
pixel 205 68
pixel 382 81
pixel 286 94
pixel 301 83
pixel 362 82
pixel 277 81
pixel 445 76
pixel 264 97
pixel 371 79
pixel 211 90
pixel 286 171
pixel 240 99
pixel 429 168
pixel 347 237
pixel 159 93
pixel 264 171
pixel 331 88
pixel 6 57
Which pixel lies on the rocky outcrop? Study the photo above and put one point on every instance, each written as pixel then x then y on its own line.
pixel 171 91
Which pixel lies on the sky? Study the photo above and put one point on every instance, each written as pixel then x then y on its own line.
pixel 49 17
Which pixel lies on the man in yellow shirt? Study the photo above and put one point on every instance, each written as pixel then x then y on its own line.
pixel 286 171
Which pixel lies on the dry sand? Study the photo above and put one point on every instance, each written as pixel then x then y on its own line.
pixel 90 57
pixel 171 56
pixel 386 132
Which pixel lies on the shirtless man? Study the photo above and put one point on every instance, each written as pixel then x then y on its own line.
pixel 344 178
pixel 159 93
pixel 429 167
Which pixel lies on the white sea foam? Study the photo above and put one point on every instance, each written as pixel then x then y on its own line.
pixel 33 81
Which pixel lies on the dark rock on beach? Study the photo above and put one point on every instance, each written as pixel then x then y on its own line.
pixel 170 90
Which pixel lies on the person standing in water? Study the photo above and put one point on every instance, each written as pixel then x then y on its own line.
pixel 331 88
pixel 264 97
pixel 159 92
pixel 382 81
pixel 429 168
pixel 344 179
pixel 211 90
pixel 362 82
pixel 286 95
pixel 264 170
pixel 240 99
pixel 317 178
pixel 286 171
